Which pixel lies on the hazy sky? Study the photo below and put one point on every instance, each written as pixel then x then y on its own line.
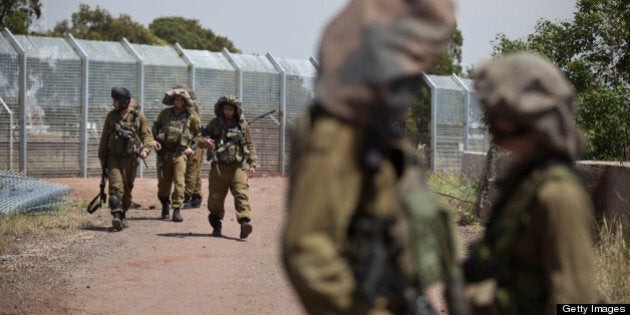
pixel 291 28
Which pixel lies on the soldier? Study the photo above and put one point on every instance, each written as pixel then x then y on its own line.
pixel 353 242
pixel 234 153
pixel 178 131
pixel 192 191
pixel 537 248
pixel 126 136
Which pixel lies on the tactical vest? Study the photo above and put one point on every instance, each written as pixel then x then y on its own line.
pixel 176 130
pixel 232 146
pixel 123 137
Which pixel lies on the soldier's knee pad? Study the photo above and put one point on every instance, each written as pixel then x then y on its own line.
pixel 114 202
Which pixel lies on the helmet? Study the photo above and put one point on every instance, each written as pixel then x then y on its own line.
pixel 532 93
pixel 227 100
pixel 121 94
pixel 186 87
pixel 169 97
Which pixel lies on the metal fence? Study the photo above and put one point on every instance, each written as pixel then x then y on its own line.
pixel 456 122
pixel 56 94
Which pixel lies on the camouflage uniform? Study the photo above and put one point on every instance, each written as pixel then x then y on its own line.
pixel 176 133
pixel 234 151
pixel 537 248
pixel 192 191
pixel 122 140
pixel 352 241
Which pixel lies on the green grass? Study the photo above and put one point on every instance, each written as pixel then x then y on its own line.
pixel 457 192
pixel 69 217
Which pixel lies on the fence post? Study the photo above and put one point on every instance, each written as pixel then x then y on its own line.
pixel 22 99
pixel 84 100
pixel 239 72
pixel 433 118
pixel 191 66
pixel 283 108
pixel 10 132
pixel 466 108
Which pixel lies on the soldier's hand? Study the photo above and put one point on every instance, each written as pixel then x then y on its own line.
pixel 209 143
pixel 143 155
pixel 251 171
pixel 188 151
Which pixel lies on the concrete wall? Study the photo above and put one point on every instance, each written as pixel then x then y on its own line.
pixel 607 182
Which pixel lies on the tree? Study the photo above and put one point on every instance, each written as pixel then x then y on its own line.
pixel 98 24
pixel 18 15
pixel 418 121
pixel 189 34
pixel 593 51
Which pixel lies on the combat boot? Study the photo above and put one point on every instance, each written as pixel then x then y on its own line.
pixel 165 208
pixel 187 203
pixel 177 217
pixel 216 224
pixel 195 201
pixel 246 228
pixel 117 221
pixel 125 224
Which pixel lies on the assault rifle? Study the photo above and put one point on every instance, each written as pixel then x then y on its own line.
pixel 211 155
pixel 98 201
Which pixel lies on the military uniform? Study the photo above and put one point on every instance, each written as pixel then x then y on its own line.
pixel 122 140
pixel 537 248
pixel 234 151
pixel 192 193
pixel 350 245
pixel 175 132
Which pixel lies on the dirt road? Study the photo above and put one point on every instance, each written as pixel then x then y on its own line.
pixel 159 267
pixel 162 267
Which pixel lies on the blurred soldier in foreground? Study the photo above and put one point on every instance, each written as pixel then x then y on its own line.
pixel 363 234
pixel 537 248
pixel 126 136
pixel 177 131
pixel 192 190
pixel 234 154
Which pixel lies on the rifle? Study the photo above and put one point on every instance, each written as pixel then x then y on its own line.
pixel 97 202
pixel 211 155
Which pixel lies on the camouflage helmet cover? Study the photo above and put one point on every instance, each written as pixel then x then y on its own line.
pixel 121 94
pixel 533 94
pixel 374 43
pixel 169 97
pixel 228 100
pixel 186 87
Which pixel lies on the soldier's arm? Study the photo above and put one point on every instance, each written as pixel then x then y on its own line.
pixel 251 159
pixel 146 136
pixel 567 251
pixel 102 147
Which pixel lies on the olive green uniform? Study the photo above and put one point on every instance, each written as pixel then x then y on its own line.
pixel 234 150
pixel 176 133
pixel 537 250
pixel 122 140
pixel 193 170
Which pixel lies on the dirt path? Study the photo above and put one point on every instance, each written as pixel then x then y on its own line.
pixel 162 267
pixel 158 267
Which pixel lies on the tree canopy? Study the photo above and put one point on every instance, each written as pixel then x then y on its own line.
pixel 18 15
pixel 99 24
pixel 189 34
pixel 592 50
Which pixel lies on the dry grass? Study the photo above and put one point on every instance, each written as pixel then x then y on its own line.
pixel 458 192
pixel 612 263
pixel 62 219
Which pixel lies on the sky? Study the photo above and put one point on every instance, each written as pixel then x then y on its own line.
pixel 292 28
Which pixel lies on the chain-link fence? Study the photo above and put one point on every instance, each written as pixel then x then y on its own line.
pixel 57 95
pixel 456 122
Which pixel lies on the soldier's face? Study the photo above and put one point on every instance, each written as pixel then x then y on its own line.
pixel 228 111
pixel 115 103
pixel 178 101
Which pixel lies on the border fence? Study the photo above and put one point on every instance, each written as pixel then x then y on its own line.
pixel 55 96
